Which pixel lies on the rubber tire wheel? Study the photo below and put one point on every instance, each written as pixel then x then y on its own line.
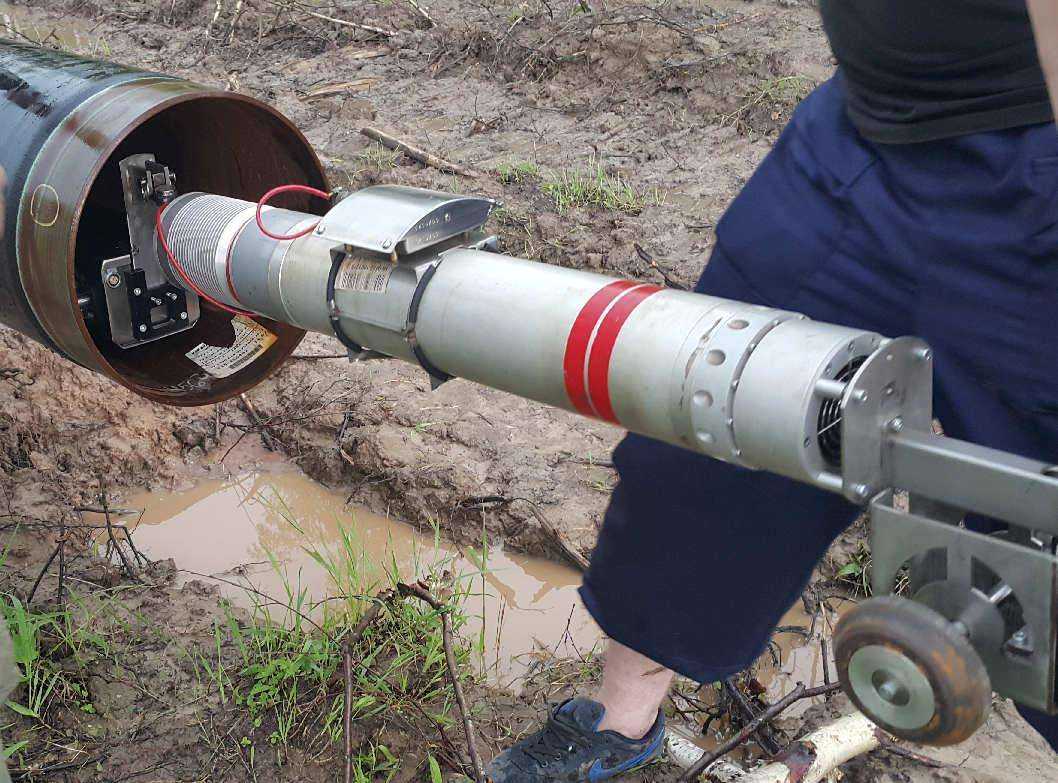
pixel 962 689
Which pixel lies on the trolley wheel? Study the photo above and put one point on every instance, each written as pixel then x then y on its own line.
pixel 910 671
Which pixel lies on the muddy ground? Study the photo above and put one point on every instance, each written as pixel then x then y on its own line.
pixel 681 99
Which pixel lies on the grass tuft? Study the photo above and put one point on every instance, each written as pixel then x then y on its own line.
pixel 517 173
pixel 596 187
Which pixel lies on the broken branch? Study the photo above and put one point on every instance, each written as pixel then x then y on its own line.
pixel 418 590
pixel 324 18
pixel 366 619
pixel 424 157
pixel 422 12
pixel 798 693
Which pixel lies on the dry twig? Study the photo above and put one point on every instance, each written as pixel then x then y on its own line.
pixel 43 571
pixel 419 590
pixel 422 12
pixel 647 258
pixel 351 642
pixel 748 713
pixel 330 90
pixel 266 438
pixel 129 570
pixel 898 750
pixel 424 157
pixel 324 18
pixel 798 693
pixel 556 535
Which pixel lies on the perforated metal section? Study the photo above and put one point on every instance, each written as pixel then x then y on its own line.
pixel 194 235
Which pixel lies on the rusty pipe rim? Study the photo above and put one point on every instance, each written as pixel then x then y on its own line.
pixel 53 203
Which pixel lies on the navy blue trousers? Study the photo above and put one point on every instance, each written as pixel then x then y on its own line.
pixel 955 241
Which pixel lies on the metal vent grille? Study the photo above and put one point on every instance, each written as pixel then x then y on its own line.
pixel 194 235
pixel 828 426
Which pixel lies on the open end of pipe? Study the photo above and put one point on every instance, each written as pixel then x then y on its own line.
pixel 219 143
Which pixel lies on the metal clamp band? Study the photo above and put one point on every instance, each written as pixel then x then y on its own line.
pixel 355 349
pixel 437 375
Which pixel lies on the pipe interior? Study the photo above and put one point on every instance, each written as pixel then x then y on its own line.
pixel 216 144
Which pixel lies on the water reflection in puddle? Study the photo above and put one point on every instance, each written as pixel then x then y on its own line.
pixel 231 529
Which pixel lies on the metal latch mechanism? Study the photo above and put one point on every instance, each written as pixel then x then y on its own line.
pixel 143 303
pixel 405 231
pixel 401 221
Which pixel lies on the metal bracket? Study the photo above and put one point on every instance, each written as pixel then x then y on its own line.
pixel 951 561
pixel 140 183
pixel 893 388
pixel 139 313
pixel 396 219
pixel 143 303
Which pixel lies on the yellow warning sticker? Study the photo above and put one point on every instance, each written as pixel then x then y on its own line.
pixel 251 340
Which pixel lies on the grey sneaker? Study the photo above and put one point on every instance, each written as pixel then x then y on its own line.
pixel 568 748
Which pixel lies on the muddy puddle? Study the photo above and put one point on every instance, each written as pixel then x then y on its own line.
pixel 21 24
pixel 261 527
pixel 796 654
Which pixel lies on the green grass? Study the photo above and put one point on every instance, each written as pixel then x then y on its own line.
pixel 778 93
pixel 594 186
pixel 282 671
pixel 39 641
pixel 515 173
pixel 379 159
pixel 856 574
pixel 268 676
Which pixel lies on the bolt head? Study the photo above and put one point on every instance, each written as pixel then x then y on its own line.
pixel 319 228
pixel 113 280
pixel 860 395
pixel 143 327
pixel 386 243
pixel 862 491
pixel 923 354
pixel 183 316
pixel 896 425
pixel 137 291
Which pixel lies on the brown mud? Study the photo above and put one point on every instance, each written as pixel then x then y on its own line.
pixel 681 99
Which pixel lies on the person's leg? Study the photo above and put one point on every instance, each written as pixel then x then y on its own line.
pixel 989 296
pixel 632 689
pixel 698 559
pixel 954 241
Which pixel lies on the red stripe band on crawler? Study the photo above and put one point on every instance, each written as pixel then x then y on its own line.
pixel 579 340
pixel 602 348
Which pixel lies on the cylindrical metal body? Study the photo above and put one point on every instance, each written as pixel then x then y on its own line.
pixel 66 123
pixel 735 381
pixel 669 364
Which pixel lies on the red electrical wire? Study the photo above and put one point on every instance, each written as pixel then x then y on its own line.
pixel 180 269
pixel 288 189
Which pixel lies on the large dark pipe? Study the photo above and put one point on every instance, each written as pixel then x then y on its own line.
pixel 65 122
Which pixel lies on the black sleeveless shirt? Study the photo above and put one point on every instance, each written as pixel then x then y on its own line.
pixel 918 70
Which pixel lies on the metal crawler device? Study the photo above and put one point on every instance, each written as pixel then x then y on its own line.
pixel 197 294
